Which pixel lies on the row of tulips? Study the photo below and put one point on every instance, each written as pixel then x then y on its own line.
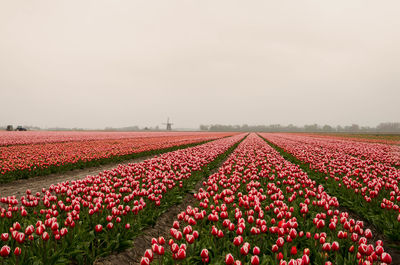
pixel 22 161
pixel 368 138
pixel 261 209
pixel 80 220
pixel 387 154
pixel 41 137
pixel 364 185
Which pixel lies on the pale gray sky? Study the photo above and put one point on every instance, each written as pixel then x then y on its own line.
pixel 81 63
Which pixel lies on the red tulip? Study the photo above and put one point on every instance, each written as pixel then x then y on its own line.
pixel 306 251
pixel 280 241
pixel 5 236
pixel 326 247
pixel 256 251
pixel 45 236
pixel 385 257
pixel 144 261
pixel 29 230
pixel 98 228
pixel 335 246
pixel 275 248
pixel 244 250
pixel 229 260
pixel 17 251
pixel 237 241
pixel 161 250
pixel 149 254
pixel 20 238
pixel 5 251
pixel 174 248
pixel 16 226
pixel 379 250
pixel 255 260
pixel 368 233
pixel 305 259
pixel 293 251
pixel 181 254
pixel 189 239
pixel 204 253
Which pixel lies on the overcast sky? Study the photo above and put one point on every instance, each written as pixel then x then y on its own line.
pixel 92 64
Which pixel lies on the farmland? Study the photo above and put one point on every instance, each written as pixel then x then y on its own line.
pixel 257 199
pixel 39 153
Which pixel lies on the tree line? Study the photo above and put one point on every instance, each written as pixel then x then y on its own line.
pixel 384 127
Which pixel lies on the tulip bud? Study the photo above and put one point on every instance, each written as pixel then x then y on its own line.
pixel 5 236
pixel 149 254
pixel 255 260
pixel 204 253
pixel 5 251
pixel 293 251
pixel 229 260
pixel 305 259
pixel 161 250
pixel 17 251
pixel 181 254
pixel 256 251
pixel 335 246
pixel 45 236
pixel 144 261
pixel 98 228
pixel 385 257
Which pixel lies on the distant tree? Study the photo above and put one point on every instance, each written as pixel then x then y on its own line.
pixel 327 128
pixel 353 128
pixel 388 127
pixel 292 128
pixel 311 128
pixel 204 127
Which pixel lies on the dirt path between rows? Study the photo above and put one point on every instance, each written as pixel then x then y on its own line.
pixel 35 184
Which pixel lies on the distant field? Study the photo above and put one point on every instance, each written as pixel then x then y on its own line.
pixel 373 137
pixel 213 198
pixel 26 154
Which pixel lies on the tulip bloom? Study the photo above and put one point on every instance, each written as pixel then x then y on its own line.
pixel 5 251
pixel 229 260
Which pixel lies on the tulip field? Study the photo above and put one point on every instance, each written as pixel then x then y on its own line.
pixel 80 220
pixel 267 198
pixel 41 153
pixel 262 209
pixel 363 176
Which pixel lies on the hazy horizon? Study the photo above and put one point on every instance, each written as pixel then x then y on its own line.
pixel 95 64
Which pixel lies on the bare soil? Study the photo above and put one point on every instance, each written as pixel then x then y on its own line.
pixel 35 184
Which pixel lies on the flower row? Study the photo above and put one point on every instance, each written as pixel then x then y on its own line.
pixel 261 209
pixel 367 185
pixel 39 156
pixel 83 219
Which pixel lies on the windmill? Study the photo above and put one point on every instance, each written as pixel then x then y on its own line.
pixel 169 125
